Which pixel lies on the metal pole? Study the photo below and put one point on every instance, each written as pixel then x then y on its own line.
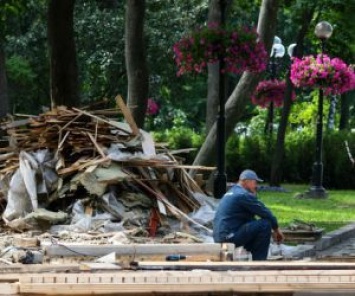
pixel 220 182
pixel 317 190
pixel 270 116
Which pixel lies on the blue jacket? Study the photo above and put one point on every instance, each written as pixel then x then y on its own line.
pixel 237 207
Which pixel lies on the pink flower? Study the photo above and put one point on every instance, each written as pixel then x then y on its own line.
pixel 270 91
pixel 152 107
pixel 240 49
pixel 331 75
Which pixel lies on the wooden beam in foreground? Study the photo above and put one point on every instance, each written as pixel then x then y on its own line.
pixel 137 250
pixel 188 282
pixel 244 266
pixel 9 289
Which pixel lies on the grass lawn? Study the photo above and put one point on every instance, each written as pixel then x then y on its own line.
pixel 331 213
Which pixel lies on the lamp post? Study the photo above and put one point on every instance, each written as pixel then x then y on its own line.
pixel 277 51
pixel 323 31
pixel 220 181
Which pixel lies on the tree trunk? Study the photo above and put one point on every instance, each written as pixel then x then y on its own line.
pixel 332 112
pixel 240 96
pixel 276 164
pixel 4 98
pixel 345 110
pixel 278 156
pixel 63 64
pixel 136 64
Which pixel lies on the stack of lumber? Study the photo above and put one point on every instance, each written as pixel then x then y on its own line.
pixel 91 153
pixel 305 280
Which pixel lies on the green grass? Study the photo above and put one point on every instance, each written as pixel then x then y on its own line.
pixel 331 213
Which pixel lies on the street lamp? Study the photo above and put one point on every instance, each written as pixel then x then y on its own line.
pixel 323 31
pixel 220 181
pixel 277 52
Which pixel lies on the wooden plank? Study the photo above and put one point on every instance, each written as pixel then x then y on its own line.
pixel 242 265
pixel 97 146
pixel 96 266
pixel 128 115
pixel 26 242
pixel 9 289
pixel 14 124
pixel 120 283
pixel 340 258
pixel 137 249
pixel 7 272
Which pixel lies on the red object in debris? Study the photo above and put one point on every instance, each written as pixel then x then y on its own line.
pixel 153 222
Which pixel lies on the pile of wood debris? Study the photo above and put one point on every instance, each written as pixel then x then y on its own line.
pixel 69 169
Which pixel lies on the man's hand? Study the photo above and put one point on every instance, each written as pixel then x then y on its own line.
pixel 278 236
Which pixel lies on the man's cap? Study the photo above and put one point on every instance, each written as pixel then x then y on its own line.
pixel 249 175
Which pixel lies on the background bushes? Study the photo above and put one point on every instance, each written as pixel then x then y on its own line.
pixel 256 152
pixel 253 152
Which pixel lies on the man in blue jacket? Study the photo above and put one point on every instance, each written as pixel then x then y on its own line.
pixel 235 220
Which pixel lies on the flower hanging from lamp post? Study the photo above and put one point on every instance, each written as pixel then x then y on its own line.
pixel 330 76
pixel 239 47
pixel 323 31
pixel 270 91
pixel 333 76
pixel 235 50
pixel 277 53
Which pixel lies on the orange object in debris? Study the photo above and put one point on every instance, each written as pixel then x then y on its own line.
pixel 153 222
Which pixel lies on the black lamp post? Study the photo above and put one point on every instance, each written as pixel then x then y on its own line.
pixel 323 31
pixel 220 181
pixel 277 51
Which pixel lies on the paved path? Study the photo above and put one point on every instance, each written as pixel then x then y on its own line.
pixel 340 242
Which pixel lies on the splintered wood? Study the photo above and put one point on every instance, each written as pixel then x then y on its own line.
pixel 83 142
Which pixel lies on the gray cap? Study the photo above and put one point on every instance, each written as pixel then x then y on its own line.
pixel 249 175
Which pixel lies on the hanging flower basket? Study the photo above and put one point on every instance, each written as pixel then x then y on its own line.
pixel 270 91
pixel 240 49
pixel 331 75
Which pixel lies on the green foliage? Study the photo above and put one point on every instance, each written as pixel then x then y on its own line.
pixel 189 111
pixel 8 10
pixel 247 152
pixel 27 64
pixel 179 138
pixel 299 156
pixel 338 171
pixel 234 157
pixel 340 15
pixel 100 50
pixel 22 80
pixel 257 122
pixel 255 152
pixel 19 70
pixel 244 12
pixel 167 21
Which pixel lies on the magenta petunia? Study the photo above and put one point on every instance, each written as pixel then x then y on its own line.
pixel 334 76
pixel 152 107
pixel 239 47
pixel 270 91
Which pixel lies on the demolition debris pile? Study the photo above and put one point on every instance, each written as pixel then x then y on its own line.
pixel 70 169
